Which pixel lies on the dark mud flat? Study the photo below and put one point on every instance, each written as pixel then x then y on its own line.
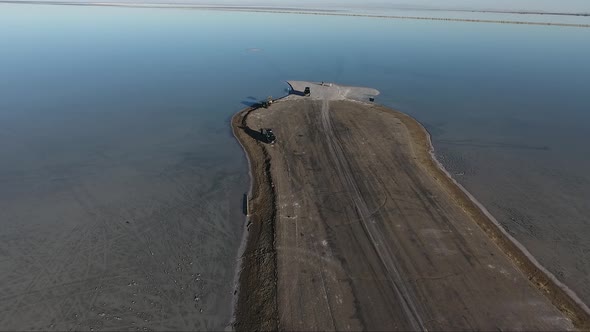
pixel 125 231
pixel 354 226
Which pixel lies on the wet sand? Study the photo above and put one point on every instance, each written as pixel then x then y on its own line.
pixel 353 225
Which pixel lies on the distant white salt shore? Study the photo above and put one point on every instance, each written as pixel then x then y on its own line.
pixel 532 17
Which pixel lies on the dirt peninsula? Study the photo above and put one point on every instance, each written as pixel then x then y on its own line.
pixel 353 225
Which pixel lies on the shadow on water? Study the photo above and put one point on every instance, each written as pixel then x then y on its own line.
pixel 250 103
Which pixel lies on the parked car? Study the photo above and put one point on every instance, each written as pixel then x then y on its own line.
pixel 268 136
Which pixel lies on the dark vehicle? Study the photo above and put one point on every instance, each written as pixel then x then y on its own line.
pixel 268 135
pixel 307 91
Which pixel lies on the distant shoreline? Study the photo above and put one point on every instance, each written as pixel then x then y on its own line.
pixel 325 12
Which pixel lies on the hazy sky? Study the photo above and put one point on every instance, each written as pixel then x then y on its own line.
pixel 554 5
pixel 545 5
pixel 528 5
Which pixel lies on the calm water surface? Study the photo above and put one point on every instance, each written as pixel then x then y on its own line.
pixel 121 185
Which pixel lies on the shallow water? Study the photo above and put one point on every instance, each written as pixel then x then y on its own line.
pixel 121 185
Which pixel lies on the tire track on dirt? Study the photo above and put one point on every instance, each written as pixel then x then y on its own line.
pixel 343 170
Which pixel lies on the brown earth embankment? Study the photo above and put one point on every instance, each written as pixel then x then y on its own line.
pixel 256 307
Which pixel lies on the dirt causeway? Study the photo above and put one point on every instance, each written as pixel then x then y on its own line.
pixel 354 227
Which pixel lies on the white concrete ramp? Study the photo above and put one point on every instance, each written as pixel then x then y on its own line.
pixel 331 91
